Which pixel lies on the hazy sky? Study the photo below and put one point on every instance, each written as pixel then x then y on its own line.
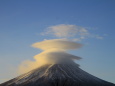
pixel 23 21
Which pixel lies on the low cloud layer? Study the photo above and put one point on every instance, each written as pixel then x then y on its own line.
pixel 53 51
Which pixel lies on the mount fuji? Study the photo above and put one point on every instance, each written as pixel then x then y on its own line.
pixel 63 73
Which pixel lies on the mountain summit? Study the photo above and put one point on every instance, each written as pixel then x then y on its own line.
pixel 61 73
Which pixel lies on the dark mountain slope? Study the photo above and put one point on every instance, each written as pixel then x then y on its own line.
pixel 61 74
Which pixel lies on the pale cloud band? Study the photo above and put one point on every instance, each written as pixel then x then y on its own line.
pixel 57 44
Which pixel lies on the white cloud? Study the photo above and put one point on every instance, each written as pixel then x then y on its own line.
pixel 53 51
pixel 99 37
pixel 66 31
pixel 56 49
pixel 74 32
pixel 57 44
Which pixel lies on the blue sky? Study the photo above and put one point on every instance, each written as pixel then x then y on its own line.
pixel 22 21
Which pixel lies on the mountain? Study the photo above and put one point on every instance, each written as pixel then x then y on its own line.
pixel 58 74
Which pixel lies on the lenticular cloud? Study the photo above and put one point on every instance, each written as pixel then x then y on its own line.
pixel 53 51
pixel 57 44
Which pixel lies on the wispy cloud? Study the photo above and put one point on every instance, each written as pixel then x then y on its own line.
pixel 77 33
pixel 99 37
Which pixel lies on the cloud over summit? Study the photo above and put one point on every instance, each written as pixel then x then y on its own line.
pixel 54 51
pixel 57 44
